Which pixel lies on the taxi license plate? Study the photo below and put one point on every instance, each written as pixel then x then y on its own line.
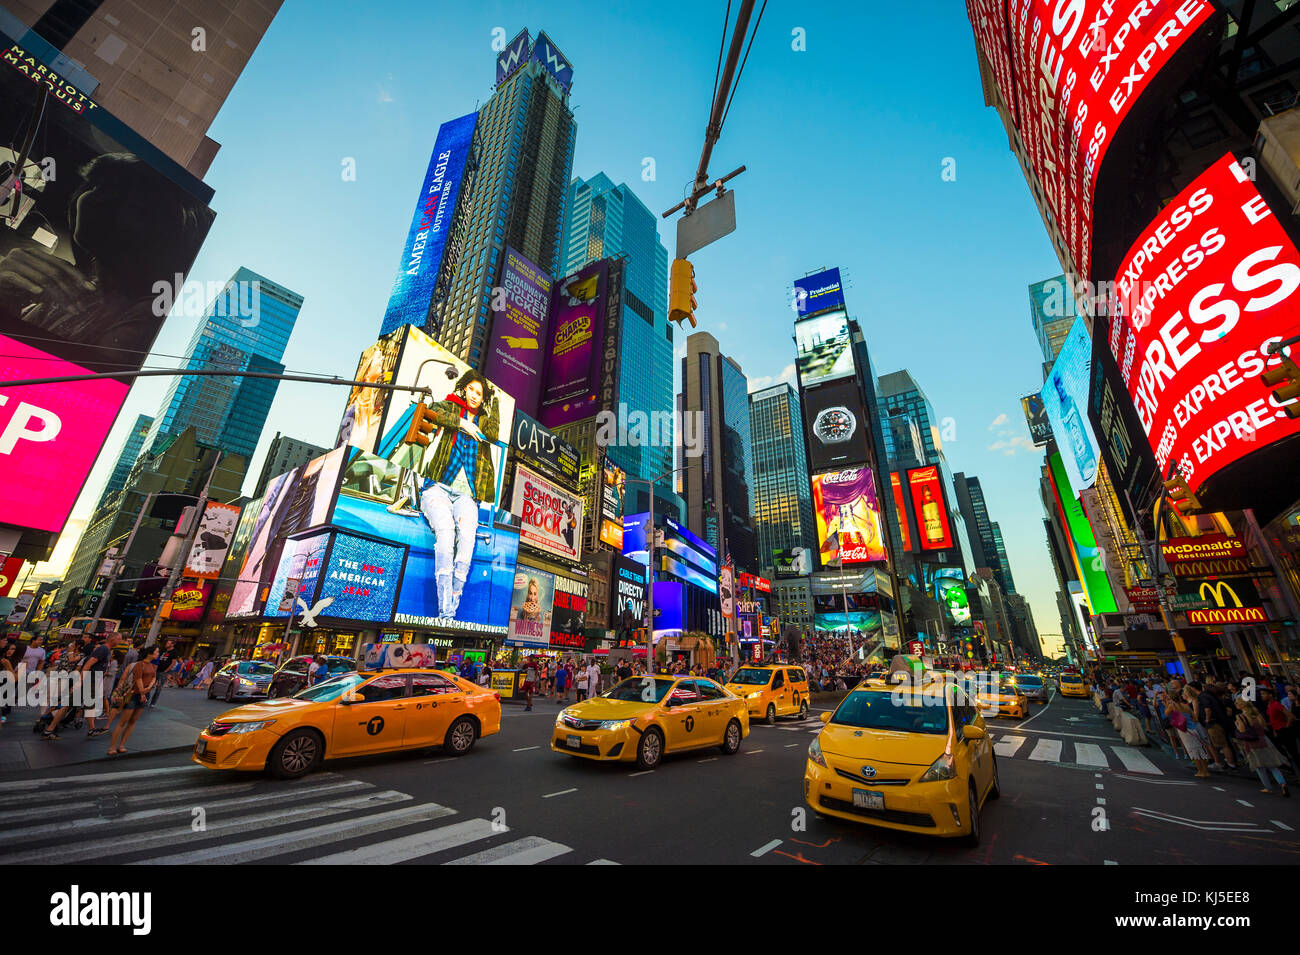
pixel 201 747
pixel 573 742
pixel 868 800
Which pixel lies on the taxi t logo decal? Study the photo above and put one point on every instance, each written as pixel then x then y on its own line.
pixel 690 723
pixel 375 726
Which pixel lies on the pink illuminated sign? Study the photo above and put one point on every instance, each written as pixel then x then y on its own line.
pixel 50 435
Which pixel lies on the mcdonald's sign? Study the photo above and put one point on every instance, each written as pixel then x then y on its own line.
pixel 1235 601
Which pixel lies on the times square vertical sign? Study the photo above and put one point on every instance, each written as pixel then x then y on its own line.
pixel 1069 72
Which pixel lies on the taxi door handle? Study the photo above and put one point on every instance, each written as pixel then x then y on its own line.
pixel 400 706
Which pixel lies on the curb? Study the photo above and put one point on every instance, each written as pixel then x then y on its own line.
pixel 105 758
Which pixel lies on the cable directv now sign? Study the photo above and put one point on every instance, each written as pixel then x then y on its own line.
pixel 417 275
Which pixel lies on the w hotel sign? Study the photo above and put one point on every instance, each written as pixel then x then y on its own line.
pixel 1228 601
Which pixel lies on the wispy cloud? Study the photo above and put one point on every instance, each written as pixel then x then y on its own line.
pixel 999 420
pixel 759 382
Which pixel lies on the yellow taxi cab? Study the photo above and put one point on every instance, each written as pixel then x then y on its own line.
pixel 643 718
pixel 1071 684
pixel 771 690
pixel 998 695
pixel 354 714
pixel 914 757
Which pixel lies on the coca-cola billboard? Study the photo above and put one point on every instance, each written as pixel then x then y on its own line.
pixel 1069 72
pixel 1201 295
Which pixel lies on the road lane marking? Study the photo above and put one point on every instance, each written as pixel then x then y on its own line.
pixel 1047 750
pixel 765 849
pixel 602 862
pixel 1100 786
pixel 524 749
pixel 709 760
pixel 562 792
pixel 1110 862
pixel 752 752
pixel 1218 788
pixel 1046 706
pixel 1282 825
pixel 527 851
pixel 1090 754
pixel 788 745
pixel 413 846
pixel 643 772
pixel 1008 745
pixel 1204 825
pixel 1157 782
pixel 1246 804
pixel 25 785
pixel 1136 762
pixel 1101 801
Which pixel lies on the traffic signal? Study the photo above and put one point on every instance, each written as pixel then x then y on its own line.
pixel 681 292
pixel 1181 496
pixel 1287 376
pixel 422 425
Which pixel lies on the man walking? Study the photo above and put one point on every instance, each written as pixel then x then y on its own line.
pixel 164 660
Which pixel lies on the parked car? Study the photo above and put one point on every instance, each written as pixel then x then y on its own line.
pixel 292 675
pixel 247 678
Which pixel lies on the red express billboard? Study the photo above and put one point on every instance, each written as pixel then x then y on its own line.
pixel 95 239
pixel 931 508
pixel 1070 71
pixel 1202 294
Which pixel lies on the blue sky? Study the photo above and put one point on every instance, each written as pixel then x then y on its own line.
pixel 844 142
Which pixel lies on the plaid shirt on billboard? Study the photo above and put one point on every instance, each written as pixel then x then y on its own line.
pixel 464 454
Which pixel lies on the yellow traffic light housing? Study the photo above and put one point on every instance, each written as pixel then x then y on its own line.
pixel 1181 496
pixel 422 425
pixel 681 292
pixel 1287 377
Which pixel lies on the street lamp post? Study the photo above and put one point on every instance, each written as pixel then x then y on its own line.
pixel 650 546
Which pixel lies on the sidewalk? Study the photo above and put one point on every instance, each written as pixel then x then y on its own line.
pixel 170 727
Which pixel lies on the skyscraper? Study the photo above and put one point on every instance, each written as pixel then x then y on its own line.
pixel 126 457
pixel 163 69
pixel 607 221
pixel 245 328
pixel 522 160
pixel 782 494
pixel 283 456
pixel 1052 311
pixel 985 536
pixel 717 485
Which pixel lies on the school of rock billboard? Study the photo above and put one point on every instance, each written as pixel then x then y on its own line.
pixel 1202 294
pixel 550 518
pixel 1069 73
pixel 101 220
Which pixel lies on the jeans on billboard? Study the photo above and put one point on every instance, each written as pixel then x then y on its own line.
pixel 454 519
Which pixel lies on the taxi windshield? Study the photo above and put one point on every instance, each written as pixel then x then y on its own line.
pixel 751 676
pixel 1027 680
pixel 640 689
pixel 331 689
pixel 1071 678
pixel 887 710
pixel 256 669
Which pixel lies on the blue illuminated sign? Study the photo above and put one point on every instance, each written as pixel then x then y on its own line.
pixel 817 293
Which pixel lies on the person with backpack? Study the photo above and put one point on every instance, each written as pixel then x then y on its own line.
pixel 1180 720
pixel 1261 755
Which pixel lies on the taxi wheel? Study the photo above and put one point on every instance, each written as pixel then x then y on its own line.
pixel 295 755
pixel 230 692
pixel 731 739
pixel 211 695
pixel 995 790
pixel 973 837
pixel 803 711
pixel 651 749
pixel 460 737
pixel 770 718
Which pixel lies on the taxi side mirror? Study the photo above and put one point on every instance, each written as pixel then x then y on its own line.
pixel 983 706
pixel 349 698
pixel 825 716
pixel 970 731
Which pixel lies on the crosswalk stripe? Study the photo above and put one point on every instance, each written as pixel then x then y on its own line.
pixel 86 825
pixel 96 850
pixel 29 785
pixel 257 849
pixel 1008 745
pixel 12 817
pixel 1090 754
pixel 413 846
pixel 529 850
pixel 1047 750
pixel 607 862
pixel 1136 761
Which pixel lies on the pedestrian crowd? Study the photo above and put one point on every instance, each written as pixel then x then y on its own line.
pixel 1217 725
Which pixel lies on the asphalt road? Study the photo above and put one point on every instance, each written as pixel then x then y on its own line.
pixel 1073 793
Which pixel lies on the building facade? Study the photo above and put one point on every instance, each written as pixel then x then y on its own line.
pixel 229 413
pixel 163 69
pixel 283 456
pixel 782 493
pixel 522 161
pixel 126 457
pixel 716 486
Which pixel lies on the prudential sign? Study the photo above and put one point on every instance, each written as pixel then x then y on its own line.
pixel 417 275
